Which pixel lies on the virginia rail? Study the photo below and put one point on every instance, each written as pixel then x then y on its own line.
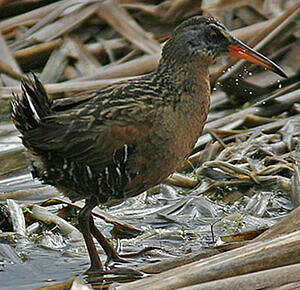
pixel 118 141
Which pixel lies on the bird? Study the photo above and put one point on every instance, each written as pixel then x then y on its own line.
pixel 116 142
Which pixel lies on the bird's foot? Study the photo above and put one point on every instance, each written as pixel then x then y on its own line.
pixel 94 271
pixel 122 274
pixel 124 271
pixel 122 258
pixel 139 253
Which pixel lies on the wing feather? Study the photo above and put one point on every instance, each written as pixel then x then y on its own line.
pixel 91 127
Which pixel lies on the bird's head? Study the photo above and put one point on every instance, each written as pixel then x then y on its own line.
pixel 207 39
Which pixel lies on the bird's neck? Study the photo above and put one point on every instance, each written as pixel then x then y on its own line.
pixel 187 75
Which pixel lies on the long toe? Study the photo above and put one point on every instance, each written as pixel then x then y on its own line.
pixel 122 274
pixel 122 258
pixel 115 257
pixel 124 271
pixel 139 253
pixel 95 271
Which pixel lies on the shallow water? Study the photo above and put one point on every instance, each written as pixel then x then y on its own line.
pixel 172 218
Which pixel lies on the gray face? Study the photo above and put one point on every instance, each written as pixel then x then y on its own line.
pixel 202 35
pixel 202 40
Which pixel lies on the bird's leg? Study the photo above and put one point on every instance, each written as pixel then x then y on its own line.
pixel 109 249
pixel 112 253
pixel 84 218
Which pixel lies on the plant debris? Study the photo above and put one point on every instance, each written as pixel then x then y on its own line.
pixel 233 203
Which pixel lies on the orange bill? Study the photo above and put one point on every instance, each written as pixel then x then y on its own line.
pixel 241 50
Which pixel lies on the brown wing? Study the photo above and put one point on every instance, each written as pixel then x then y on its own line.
pixel 90 129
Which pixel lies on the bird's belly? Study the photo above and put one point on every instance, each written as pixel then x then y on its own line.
pixel 171 141
pixel 135 167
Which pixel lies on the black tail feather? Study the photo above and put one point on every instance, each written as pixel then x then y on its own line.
pixel 32 106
